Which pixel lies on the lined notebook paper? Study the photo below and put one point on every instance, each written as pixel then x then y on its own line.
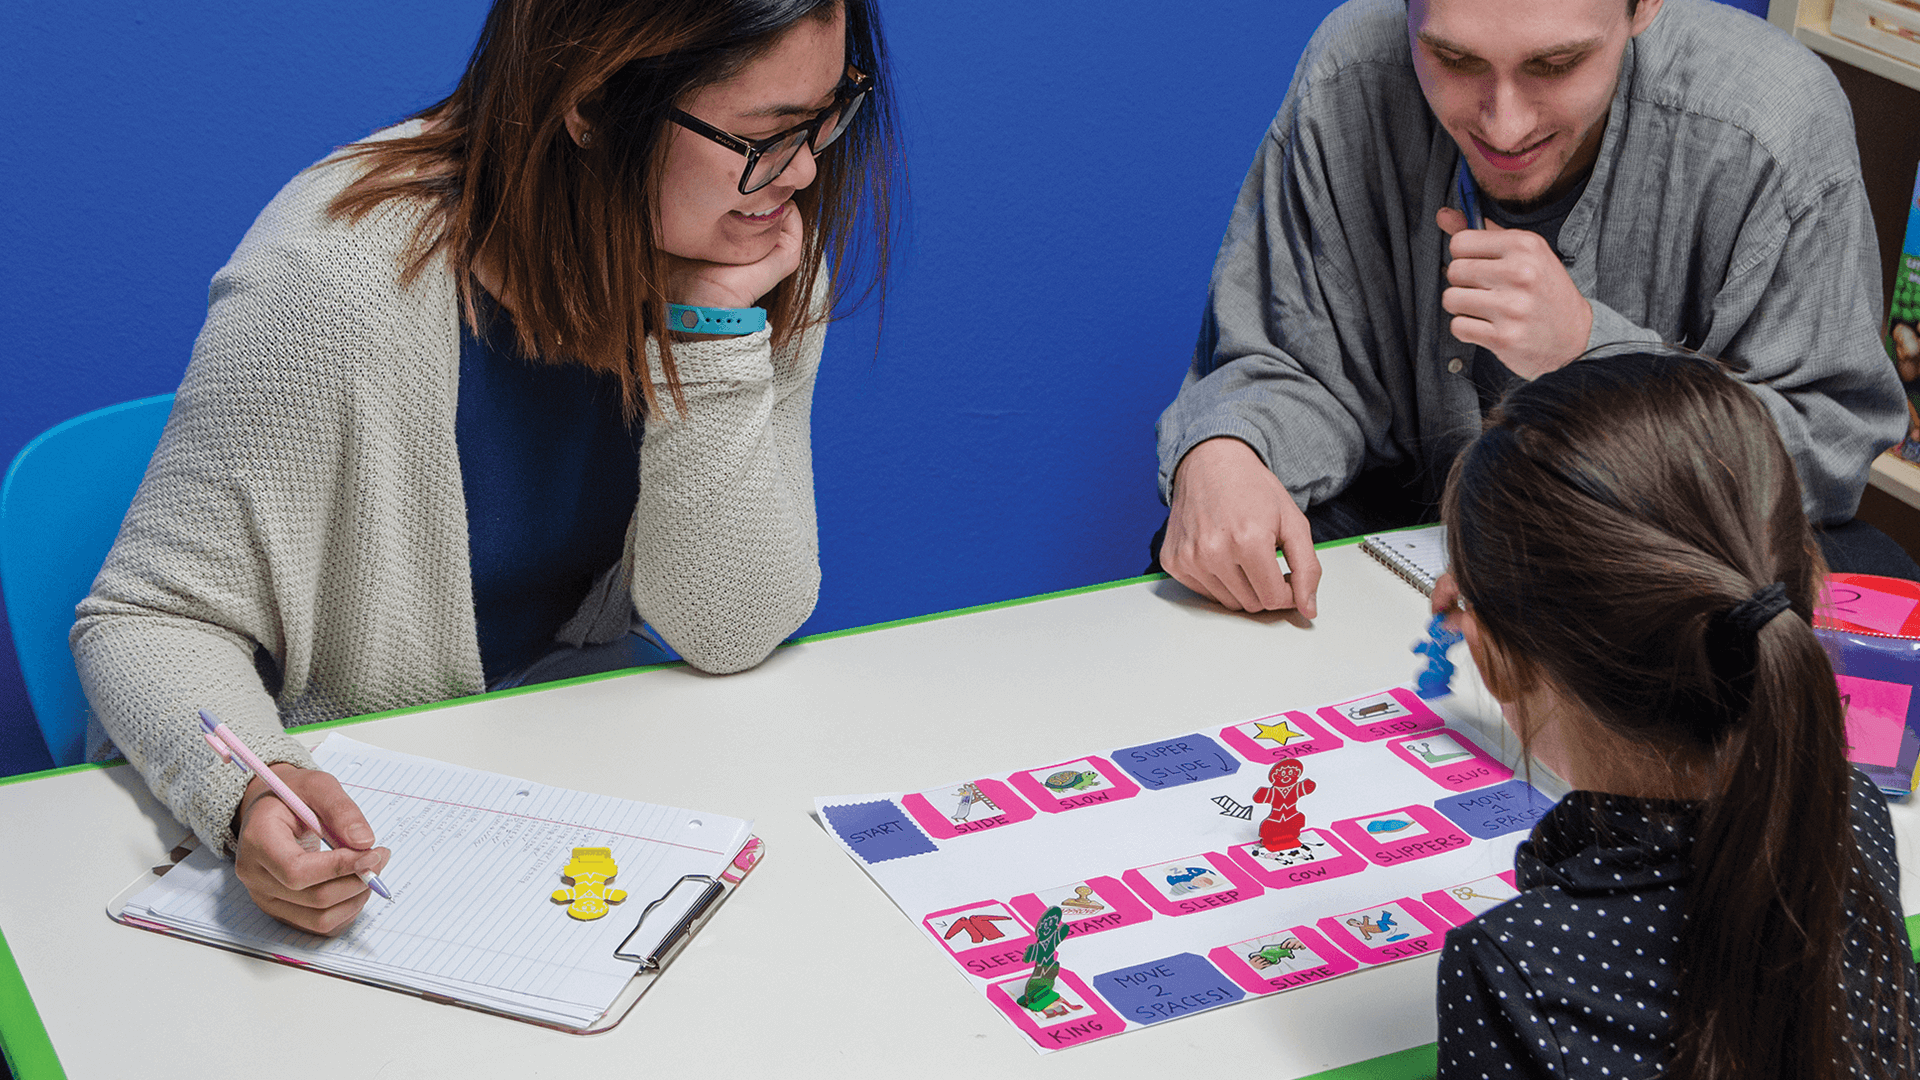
pixel 476 858
pixel 1418 555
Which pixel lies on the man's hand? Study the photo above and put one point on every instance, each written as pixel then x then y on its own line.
pixel 1509 293
pixel 315 891
pixel 1229 513
pixel 724 285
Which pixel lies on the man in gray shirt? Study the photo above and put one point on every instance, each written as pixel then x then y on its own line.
pixel 1671 171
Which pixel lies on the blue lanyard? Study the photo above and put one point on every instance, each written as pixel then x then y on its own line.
pixel 1469 195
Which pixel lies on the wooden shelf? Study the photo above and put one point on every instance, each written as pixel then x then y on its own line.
pixel 1897 477
pixel 1811 23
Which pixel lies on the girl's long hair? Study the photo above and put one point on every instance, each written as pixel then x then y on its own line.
pixel 1602 529
pixel 572 230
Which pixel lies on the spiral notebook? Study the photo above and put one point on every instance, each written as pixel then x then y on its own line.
pixel 1417 555
pixel 477 857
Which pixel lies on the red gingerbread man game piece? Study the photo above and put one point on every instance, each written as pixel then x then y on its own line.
pixel 1281 830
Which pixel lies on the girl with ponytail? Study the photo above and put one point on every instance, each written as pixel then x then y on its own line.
pixel 1719 897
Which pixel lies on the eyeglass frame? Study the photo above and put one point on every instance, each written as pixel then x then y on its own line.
pixel 850 94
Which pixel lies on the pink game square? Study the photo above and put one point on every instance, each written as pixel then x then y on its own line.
pixel 1386 932
pixel 1277 738
pixel 1392 837
pixel 1863 605
pixel 1876 719
pixel 1320 857
pixel 1079 1016
pixel 1193 884
pixel 1070 785
pixel 1090 906
pixel 985 938
pixel 1380 716
pixel 966 807
pixel 1463 903
pixel 1281 961
pixel 1450 759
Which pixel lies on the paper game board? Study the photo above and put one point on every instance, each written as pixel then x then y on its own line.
pixel 1153 854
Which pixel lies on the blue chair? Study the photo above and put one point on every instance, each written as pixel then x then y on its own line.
pixel 60 510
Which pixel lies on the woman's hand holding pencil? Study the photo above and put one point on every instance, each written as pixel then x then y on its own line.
pixel 319 891
pixel 306 855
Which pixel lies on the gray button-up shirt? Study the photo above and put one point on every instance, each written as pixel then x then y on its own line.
pixel 1725 213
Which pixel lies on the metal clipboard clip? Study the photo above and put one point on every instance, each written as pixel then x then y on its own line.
pixel 666 921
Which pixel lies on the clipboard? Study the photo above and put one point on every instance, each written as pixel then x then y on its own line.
pixel 662 931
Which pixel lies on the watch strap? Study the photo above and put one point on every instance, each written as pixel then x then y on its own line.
pixel 688 319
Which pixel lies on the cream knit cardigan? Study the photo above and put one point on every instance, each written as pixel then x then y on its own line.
pixel 298 549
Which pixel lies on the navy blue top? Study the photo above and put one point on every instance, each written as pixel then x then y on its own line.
pixel 550 472
pixel 1491 378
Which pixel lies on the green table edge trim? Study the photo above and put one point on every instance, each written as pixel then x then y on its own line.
pixel 1024 600
pixel 23 1038
pixel 1417 1061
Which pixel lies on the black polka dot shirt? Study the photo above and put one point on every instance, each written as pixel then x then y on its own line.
pixel 1575 976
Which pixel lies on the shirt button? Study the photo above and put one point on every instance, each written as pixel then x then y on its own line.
pixel 1454 365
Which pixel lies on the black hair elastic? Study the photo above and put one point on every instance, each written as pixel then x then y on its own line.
pixel 1733 645
pixel 1756 611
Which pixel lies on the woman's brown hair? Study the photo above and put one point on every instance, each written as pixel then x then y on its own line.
pixel 1603 530
pixel 571 230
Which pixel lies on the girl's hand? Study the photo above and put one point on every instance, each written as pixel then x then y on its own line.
pixel 724 285
pixel 1446 600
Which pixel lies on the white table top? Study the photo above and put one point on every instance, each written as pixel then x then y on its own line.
pixel 809 970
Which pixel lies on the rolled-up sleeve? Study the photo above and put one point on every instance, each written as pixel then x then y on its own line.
pixel 1281 363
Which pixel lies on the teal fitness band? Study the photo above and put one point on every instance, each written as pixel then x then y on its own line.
pixel 713 320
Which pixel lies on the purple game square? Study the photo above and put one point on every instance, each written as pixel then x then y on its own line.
pixel 1492 811
pixel 1187 759
pixel 1163 989
pixel 878 831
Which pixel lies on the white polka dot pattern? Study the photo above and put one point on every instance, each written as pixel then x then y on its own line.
pixel 1573 977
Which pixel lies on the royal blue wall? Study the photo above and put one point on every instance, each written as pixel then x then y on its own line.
pixel 1071 177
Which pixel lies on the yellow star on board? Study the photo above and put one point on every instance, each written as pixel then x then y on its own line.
pixel 1280 734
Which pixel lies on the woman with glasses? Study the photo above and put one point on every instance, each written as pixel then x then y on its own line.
pixel 482 393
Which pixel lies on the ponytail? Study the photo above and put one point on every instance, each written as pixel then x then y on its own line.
pixel 1630 528
pixel 1762 992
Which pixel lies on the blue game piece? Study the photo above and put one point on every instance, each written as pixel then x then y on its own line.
pixel 1436 680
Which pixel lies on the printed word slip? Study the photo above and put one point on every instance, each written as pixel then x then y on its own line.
pixel 477 859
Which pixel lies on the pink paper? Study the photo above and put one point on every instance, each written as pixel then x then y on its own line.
pixel 1876 718
pixel 1863 606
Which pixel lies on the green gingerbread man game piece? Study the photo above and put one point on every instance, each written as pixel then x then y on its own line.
pixel 1039 993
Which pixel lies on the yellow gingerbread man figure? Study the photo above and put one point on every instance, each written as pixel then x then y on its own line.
pixel 589 871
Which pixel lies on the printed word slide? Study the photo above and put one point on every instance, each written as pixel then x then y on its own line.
pixel 1134 885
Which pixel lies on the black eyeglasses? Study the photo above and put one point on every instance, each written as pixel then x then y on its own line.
pixel 769 157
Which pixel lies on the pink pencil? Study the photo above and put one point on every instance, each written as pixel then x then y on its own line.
pixel 228 746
